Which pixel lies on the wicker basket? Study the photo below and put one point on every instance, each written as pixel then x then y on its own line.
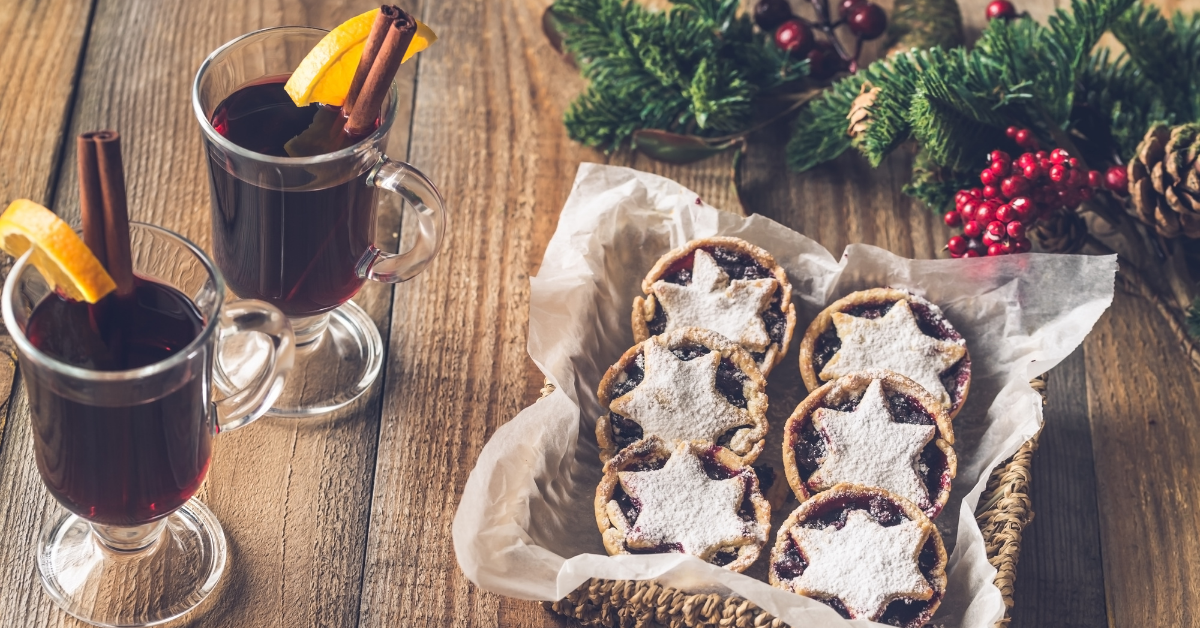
pixel 1003 513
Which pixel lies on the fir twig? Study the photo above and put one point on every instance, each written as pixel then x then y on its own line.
pixel 956 103
pixel 695 69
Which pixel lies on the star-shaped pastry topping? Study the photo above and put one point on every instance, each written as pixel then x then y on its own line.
pixel 864 564
pixel 867 447
pixel 681 504
pixel 679 400
pixel 730 308
pixel 893 342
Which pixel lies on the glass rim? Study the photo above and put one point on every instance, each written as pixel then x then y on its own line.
pixel 387 116
pixel 187 353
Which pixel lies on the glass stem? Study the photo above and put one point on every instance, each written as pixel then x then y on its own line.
pixel 309 329
pixel 129 538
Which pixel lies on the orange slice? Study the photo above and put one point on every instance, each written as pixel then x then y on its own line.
pixel 324 75
pixel 59 254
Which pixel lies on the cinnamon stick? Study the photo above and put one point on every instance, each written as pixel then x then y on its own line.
pixel 379 30
pixel 383 70
pixel 91 201
pixel 100 154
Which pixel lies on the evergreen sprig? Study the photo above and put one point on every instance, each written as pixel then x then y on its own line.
pixel 1116 104
pixel 955 104
pixel 1167 53
pixel 695 69
pixel 808 149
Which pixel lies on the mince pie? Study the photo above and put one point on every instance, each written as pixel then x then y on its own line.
pixel 696 498
pixel 866 553
pixel 875 428
pixel 724 284
pixel 688 384
pixel 888 329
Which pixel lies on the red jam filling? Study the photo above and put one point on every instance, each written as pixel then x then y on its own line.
pixel 730 381
pixel 738 266
pixel 812 447
pixel 904 612
pixel 931 323
pixel 630 506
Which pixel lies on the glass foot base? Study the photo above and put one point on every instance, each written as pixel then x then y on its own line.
pixel 338 356
pixel 107 577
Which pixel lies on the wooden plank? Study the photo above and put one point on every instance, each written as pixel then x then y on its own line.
pixel 292 495
pixel 1060 578
pixel 40 48
pixel 41 44
pixel 487 129
pixel 1142 397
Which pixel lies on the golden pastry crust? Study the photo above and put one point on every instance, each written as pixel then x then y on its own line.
pixel 875 296
pixel 747 441
pixel 645 309
pixel 653 452
pixel 853 496
pixel 847 389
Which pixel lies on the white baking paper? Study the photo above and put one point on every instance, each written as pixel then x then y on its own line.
pixel 526 526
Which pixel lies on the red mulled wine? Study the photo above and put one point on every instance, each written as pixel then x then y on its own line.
pixel 291 240
pixel 108 460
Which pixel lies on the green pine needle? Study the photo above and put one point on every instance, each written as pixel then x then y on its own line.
pixel 955 104
pixel 695 69
pixel 819 133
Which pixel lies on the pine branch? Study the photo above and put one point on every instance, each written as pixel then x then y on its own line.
pixel 957 103
pixel 935 186
pixel 719 105
pixel 1115 105
pixel 1166 52
pixel 897 79
pixel 951 138
pixel 695 69
pixel 819 133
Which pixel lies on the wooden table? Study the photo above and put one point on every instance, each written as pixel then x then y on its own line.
pixel 345 521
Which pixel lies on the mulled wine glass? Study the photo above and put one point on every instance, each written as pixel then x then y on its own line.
pixel 299 232
pixel 123 416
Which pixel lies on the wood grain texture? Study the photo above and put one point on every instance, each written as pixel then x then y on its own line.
pixel 40 47
pixel 292 496
pixel 41 44
pixel 487 129
pixel 325 532
pixel 1142 400
pixel 1060 577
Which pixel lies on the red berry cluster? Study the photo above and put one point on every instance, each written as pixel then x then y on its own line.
pixel 797 36
pixel 1015 194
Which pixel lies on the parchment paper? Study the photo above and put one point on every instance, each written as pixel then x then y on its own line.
pixel 526 526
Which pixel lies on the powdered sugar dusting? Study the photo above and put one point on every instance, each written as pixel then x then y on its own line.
pixel 893 342
pixel 864 564
pixel 681 504
pixel 678 400
pixel 867 447
pixel 730 308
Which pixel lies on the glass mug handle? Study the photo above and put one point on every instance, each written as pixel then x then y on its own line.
pixel 432 220
pixel 244 406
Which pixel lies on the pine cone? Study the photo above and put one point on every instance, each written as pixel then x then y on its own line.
pixel 1063 231
pixel 860 109
pixel 1164 180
